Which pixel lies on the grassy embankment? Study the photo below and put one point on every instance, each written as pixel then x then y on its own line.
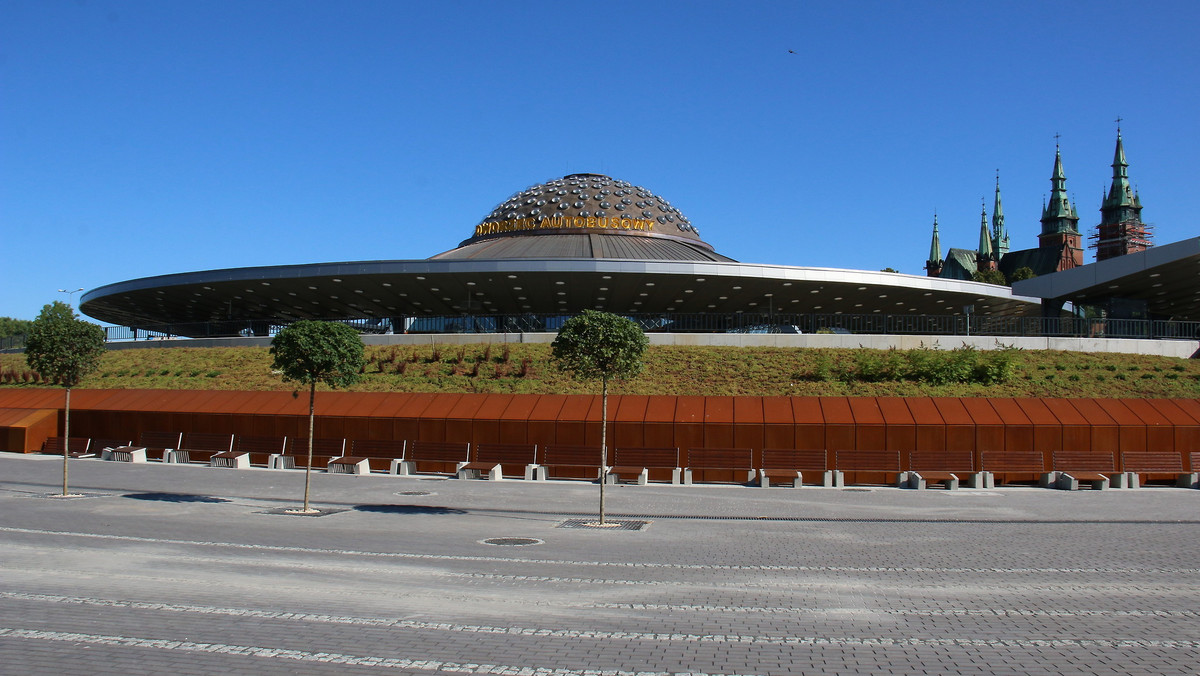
pixel 671 371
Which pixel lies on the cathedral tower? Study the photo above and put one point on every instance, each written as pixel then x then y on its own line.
pixel 1060 222
pixel 1121 230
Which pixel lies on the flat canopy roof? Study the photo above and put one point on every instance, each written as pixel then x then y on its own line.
pixel 1165 277
pixel 524 286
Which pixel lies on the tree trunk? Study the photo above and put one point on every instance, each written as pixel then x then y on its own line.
pixel 603 441
pixel 67 439
pixel 312 395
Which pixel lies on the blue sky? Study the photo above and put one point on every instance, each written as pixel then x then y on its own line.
pixel 146 138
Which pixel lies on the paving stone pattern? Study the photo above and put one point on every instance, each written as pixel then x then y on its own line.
pixel 193 570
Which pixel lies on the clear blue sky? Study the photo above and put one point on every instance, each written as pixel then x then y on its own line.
pixel 146 138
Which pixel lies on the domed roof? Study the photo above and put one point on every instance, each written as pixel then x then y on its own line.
pixel 557 212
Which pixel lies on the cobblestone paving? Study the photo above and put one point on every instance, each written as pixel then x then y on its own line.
pixel 178 569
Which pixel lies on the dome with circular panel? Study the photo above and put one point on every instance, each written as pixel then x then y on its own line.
pixel 615 218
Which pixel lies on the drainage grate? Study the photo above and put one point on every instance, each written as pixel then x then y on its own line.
pixel 857 490
pixel 594 524
pixel 414 493
pixel 512 542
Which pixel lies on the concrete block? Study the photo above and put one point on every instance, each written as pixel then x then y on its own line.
pixel 398 467
pixel 1191 480
pixel 1065 482
pixel 1049 480
pixel 174 456
pixel 833 478
pixel 279 461
pixel 531 471
pixel 981 480
pixel 1126 480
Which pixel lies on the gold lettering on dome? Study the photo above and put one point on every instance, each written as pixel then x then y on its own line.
pixel 558 222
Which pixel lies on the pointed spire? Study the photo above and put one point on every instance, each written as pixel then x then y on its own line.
pixel 935 246
pixel 1120 194
pixel 999 233
pixel 1058 215
pixel 985 237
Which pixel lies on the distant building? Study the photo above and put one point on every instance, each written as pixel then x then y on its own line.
pixel 1120 232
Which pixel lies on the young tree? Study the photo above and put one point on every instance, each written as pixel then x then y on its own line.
pixel 600 345
pixel 311 352
pixel 63 349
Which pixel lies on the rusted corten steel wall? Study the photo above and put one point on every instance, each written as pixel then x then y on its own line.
pixel 898 424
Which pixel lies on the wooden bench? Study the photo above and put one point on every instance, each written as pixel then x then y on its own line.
pixel 159 444
pixel 1004 463
pixel 383 455
pixel 349 464
pixel 250 450
pixel 636 464
pixel 944 467
pixel 323 450
pixel 735 463
pixel 99 445
pixel 1071 467
pixel 199 447
pixel 867 461
pixel 791 465
pixel 440 457
pixel 496 461
pixel 568 462
pixel 1136 464
pixel 79 447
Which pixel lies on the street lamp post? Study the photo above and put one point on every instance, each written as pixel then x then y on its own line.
pixel 70 294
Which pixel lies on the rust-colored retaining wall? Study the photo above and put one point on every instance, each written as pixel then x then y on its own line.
pixel 902 424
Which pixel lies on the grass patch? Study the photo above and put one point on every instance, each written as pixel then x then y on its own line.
pixel 670 370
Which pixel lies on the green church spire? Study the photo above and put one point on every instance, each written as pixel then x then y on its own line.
pixel 985 237
pixel 1120 194
pixel 935 246
pixel 999 233
pixel 933 266
pixel 1059 215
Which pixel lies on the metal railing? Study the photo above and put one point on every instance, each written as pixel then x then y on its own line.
pixel 875 323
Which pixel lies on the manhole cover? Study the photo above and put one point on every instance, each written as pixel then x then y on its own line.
pixel 594 524
pixel 512 542
pixel 414 493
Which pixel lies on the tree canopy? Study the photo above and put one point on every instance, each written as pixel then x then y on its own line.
pixel 599 345
pixel 61 347
pixel 312 352
pixel 14 327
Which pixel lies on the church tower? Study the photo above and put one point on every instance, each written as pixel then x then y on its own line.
pixel 1060 222
pixel 1121 230
pixel 933 266
pixel 999 233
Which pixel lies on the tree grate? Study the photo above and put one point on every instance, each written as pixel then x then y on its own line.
pixel 291 511
pixel 594 524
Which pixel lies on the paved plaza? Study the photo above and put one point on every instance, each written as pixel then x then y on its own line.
pixel 163 569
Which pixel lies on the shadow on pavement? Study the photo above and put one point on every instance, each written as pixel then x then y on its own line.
pixel 175 497
pixel 408 509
